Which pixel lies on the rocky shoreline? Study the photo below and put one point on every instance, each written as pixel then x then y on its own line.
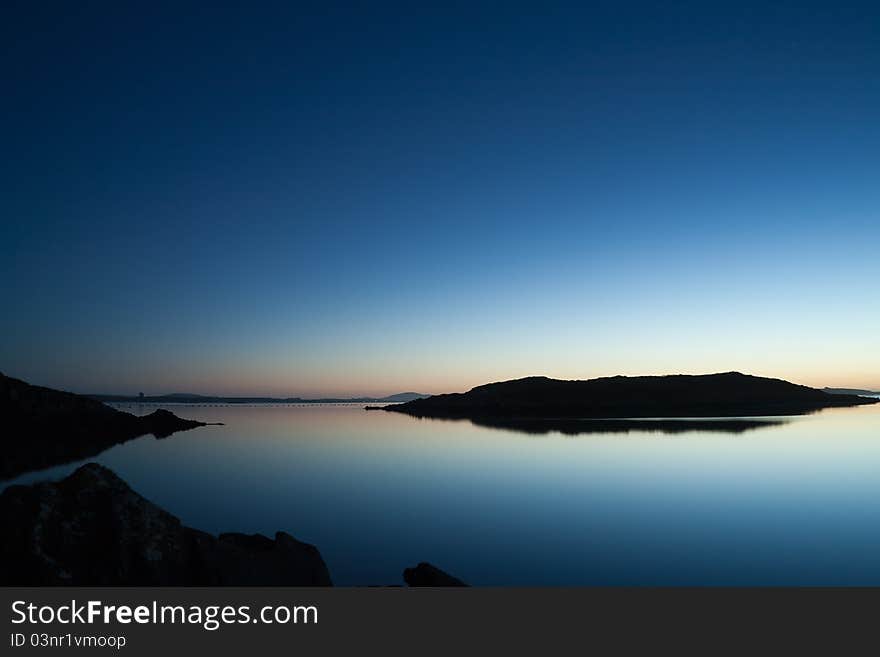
pixel 48 427
pixel 91 528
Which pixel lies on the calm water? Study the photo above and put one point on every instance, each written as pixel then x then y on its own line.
pixel 796 503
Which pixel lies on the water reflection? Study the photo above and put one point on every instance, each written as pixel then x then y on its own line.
pixel 571 427
pixel 797 502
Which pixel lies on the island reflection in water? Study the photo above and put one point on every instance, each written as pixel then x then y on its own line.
pixel 574 427
pixel 728 501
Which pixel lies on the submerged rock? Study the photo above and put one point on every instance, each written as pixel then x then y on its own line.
pixel 91 528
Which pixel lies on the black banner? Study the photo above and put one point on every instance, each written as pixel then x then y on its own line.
pixel 227 621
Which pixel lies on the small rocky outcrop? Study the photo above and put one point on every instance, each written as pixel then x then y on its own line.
pixel 426 574
pixel 162 423
pixel 91 528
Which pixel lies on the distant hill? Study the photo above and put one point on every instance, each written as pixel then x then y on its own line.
pixel 730 394
pixel 403 397
pixel 850 391
pixel 188 398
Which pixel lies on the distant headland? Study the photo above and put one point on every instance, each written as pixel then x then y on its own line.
pixel 729 394
pixel 190 398
pixel 850 391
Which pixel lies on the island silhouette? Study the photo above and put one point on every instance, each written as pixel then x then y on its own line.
pixel 728 394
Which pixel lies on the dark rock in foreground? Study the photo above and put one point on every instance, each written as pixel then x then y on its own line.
pixel 426 574
pixel 712 395
pixel 92 529
pixel 45 427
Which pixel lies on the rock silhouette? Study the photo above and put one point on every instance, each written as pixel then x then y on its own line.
pixel 675 396
pixel 92 529
pixel 46 427
pixel 426 574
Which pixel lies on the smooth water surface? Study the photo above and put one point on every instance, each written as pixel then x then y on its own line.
pixel 791 503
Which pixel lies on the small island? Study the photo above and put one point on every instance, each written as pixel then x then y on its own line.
pixel 729 394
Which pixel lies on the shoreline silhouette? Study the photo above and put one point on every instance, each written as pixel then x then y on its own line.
pixel 51 427
pixel 56 529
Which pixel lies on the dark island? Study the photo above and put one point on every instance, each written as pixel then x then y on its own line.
pixel 729 394
pixel 45 427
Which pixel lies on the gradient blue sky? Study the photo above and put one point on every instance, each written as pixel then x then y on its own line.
pixel 294 199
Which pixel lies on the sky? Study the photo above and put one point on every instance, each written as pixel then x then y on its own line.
pixel 347 199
